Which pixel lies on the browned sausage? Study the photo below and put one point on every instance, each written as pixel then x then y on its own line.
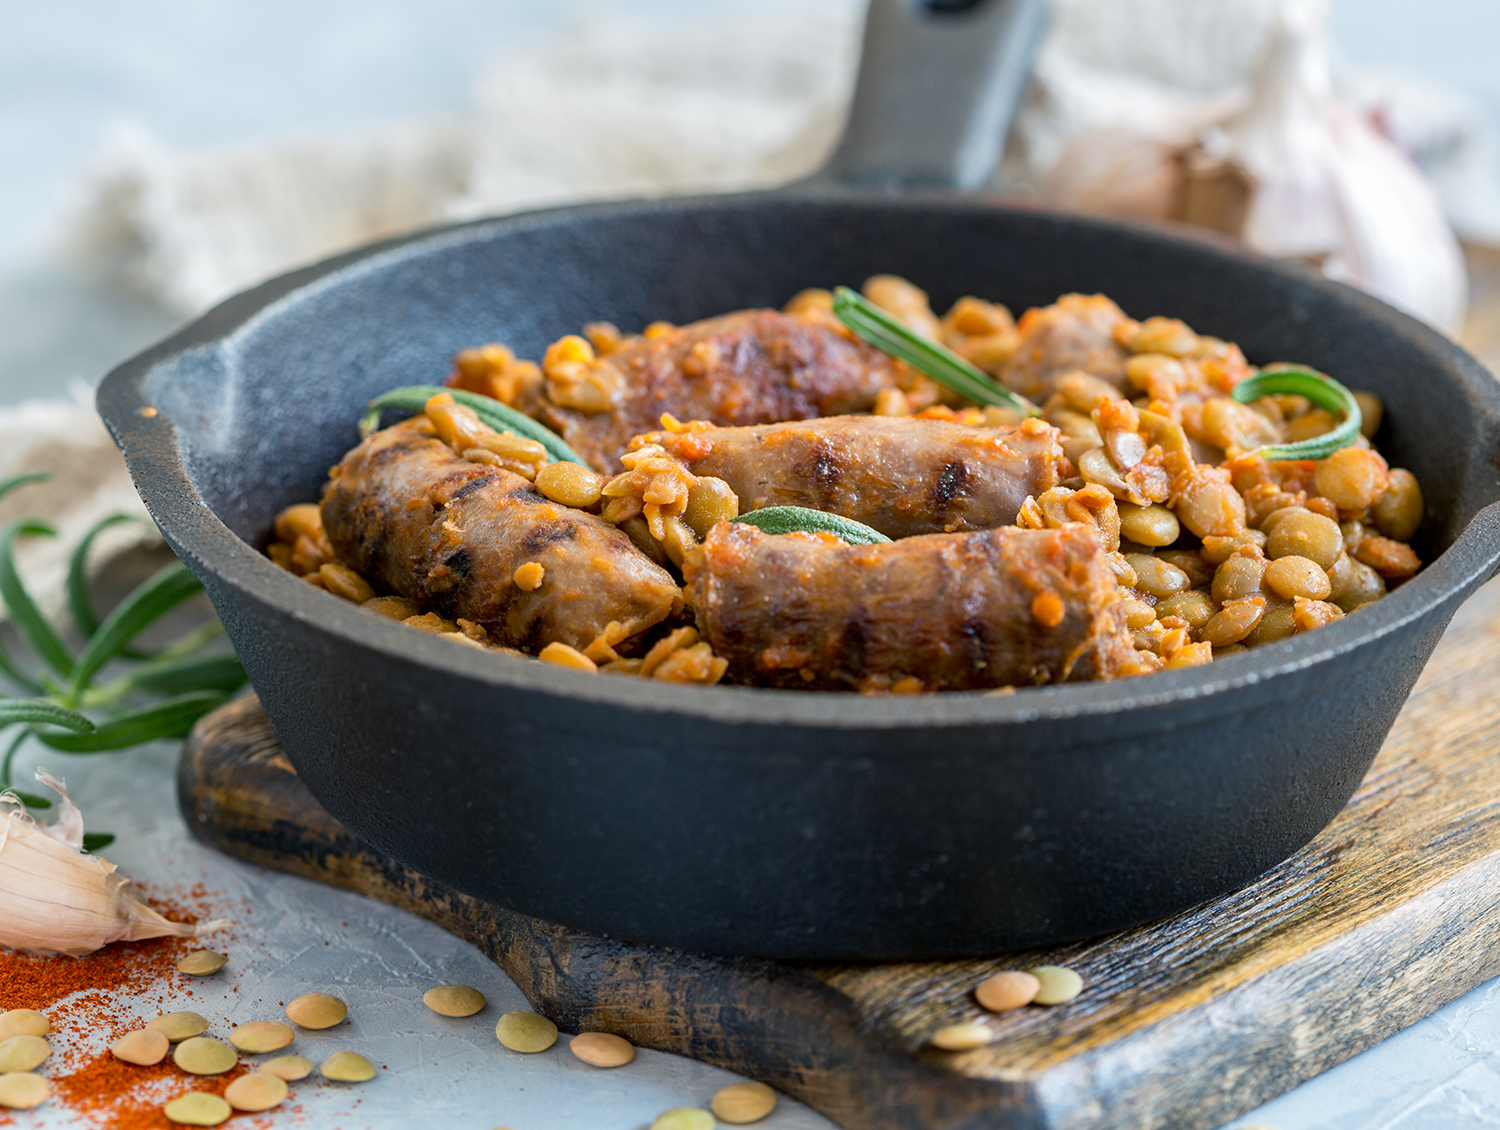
pixel 750 367
pixel 944 611
pixel 900 475
pixel 419 521
pixel 1076 332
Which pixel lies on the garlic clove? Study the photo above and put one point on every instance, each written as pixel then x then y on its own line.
pixel 58 899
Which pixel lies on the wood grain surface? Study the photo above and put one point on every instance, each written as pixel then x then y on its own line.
pixel 1387 915
pixel 1391 912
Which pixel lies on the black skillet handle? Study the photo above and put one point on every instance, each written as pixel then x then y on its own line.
pixel 938 84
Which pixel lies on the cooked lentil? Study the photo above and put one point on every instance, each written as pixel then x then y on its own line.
pixel 202 963
pixel 257 1091
pixel 453 1000
pixel 21 1091
pixel 602 1049
pixel 316 1011
pixel 261 1036
pixel 198 1108
pixel 204 1055
pixel 1398 513
pixel 1294 576
pixel 1300 533
pixel 570 484
pixel 742 1103
pixel 525 1031
pixel 347 1067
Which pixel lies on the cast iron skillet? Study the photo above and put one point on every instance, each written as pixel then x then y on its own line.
pixel 787 824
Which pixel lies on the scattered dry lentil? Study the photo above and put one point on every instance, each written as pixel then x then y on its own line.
pixel 203 1055
pixel 525 1031
pixel 202 963
pixel 255 1092
pixel 197 1108
pixel 740 1103
pixel 683 1118
pixel 23 1053
pixel 963 1037
pixel 602 1049
pixel 261 1036
pixel 453 1000
pixel 22 1091
pixel 23 1022
pixel 316 1011
pixel 142 1047
pixel 288 1067
pixel 1006 990
pixel 1058 984
pixel 178 1026
pixel 347 1067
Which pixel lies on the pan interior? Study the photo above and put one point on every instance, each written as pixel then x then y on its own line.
pixel 265 412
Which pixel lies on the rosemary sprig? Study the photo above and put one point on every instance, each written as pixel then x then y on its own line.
pixel 1322 390
pixel 50 709
pixel 939 362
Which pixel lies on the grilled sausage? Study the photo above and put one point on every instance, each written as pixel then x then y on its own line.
pixel 750 367
pixel 1076 332
pixel 419 521
pixel 901 476
pixel 999 607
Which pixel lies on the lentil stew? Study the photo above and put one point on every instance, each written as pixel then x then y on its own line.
pixel 1131 525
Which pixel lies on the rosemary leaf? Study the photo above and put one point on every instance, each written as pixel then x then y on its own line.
pixel 13 710
pixel 170 719
pixel 79 604
pixel 939 362
pixel 146 603
pixel 28 617
pixel 801 520
pixel 12 482
pixel 1322 390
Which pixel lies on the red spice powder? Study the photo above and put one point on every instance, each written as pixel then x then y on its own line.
pixel 103 992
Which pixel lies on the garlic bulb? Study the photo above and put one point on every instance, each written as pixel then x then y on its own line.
pixel 1287 168
pixel 1329 188
pixel 56 899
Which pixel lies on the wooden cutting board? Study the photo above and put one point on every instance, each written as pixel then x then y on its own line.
pixel 1389 914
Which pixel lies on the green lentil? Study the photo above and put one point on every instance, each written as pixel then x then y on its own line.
pixel 178 1026
pixel 197 1108
pixel 347 1067
pixel 1059 984
pixel 525 1031
pixel 23 1053
pixel 455 1000
pixel 203 1055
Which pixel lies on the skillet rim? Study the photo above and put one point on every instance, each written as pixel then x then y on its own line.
pixel 155 460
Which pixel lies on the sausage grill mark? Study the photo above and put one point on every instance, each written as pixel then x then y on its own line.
pixel 544 534
pixel 950 485
pixel 479 482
